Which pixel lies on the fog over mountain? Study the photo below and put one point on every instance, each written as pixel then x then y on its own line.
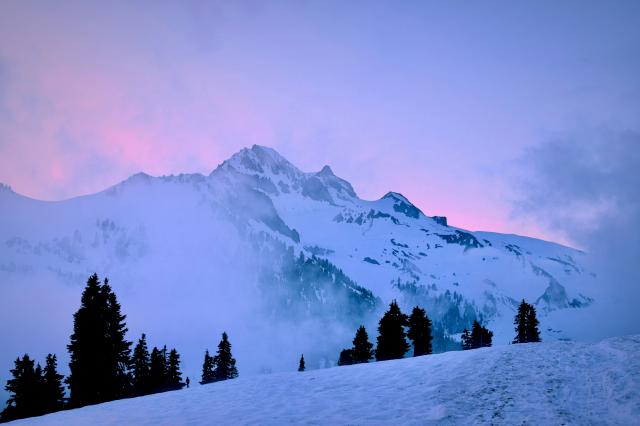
pixel 286 262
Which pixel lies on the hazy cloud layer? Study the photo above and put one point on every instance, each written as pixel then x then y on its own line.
pixel 586 186
pixel 419 98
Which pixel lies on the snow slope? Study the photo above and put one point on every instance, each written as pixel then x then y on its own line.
pixel 542 384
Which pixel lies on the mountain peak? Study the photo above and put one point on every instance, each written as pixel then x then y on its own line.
pixel 401 204
pixel 5 187
pixel 260 159
pixel 326 171
pixel 396 196
pixel 267 154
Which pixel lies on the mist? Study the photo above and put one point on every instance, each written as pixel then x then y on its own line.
pixel 585 186
pixel 183 267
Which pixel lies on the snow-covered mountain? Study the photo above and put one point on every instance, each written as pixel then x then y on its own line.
pixel 260 248
pixel 538 383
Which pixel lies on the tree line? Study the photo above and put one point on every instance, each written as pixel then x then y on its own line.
pixel 392 337
pixel 102 366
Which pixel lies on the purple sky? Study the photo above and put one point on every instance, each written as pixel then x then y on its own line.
pixel 437 101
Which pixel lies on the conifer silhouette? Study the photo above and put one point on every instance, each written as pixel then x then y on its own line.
pixel 301 366
pixel 520 322
pixel 533 334
pixel 481 337
pixel 362 349
pixel 25 389
pixel 174 376
pixel 118 378
pixel 526 324
pixel 52 388
pixel 346 357
pixel 392 343
pixel 224 363
pixel 207 369
pixel 420 332
pixel 99 353
pixel 158 370
pixel 141 367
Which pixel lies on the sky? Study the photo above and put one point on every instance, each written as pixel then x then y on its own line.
pixel 449 103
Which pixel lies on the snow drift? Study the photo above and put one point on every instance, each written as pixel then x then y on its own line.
pixel 536 383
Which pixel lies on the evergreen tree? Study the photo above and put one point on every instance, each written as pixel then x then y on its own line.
pixel 225 364
pixel 533 334
pixel 526 324
pixel 118 378
pixel 391 339
pixel 207 369
pixel 420 332
pixel 158 370
pixel 362 349
pixel 520 322
pixel 346 357
pixel 466 340
pixel 86 347
pixel 480 336
pixel 25 391
pixel 174 376
pixel 301 366
pixel 141 367
pixel 52 389
pixel 99 354
pixel 39 391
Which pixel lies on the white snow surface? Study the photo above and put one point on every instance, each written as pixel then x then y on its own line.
pixel 551 383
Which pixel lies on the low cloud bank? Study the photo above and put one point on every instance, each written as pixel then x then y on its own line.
pixel 586 186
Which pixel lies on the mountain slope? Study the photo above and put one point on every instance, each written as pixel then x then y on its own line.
pixel 392 248
pixel 285 261
pixel 546 383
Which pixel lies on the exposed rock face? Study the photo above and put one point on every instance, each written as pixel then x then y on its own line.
pixel 440 220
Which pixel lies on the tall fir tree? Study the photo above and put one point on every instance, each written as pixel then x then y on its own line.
pixel 520 321
pixel 119 349
pixel 25 391
pixel 207 369
pixel 362 350
pixel 174 375
pixel 52 388
pixel 158 370
pixel 99 353
pixel 533 334
pixel 141 367
pixel 526 324
pixel 481 337
pixel 224 363
pixel 420 332
pixel 87 346
pixel 392 343
pixel 301 366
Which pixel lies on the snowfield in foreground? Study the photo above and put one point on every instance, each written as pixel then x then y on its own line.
pixel 542 384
